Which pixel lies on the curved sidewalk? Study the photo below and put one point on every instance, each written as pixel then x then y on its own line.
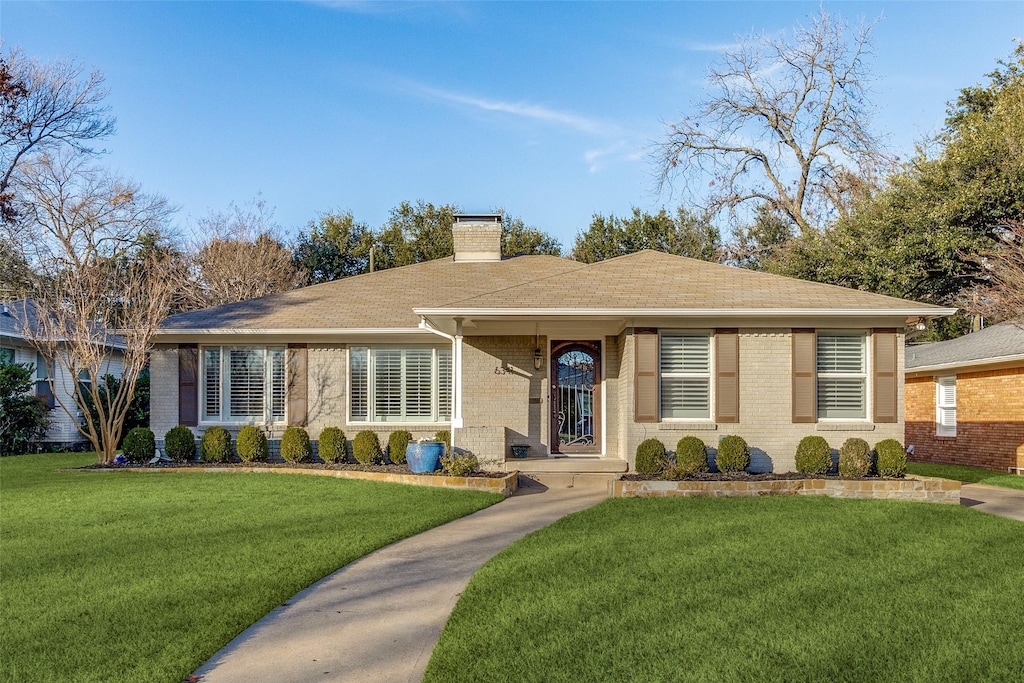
pixel 995 500
pixel 379 618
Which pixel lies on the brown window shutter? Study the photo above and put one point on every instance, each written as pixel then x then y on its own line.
pixel 804 388
pixel 645 408
pixel 727 376
pixel 885 380
pixel 188 384
pixel 296 385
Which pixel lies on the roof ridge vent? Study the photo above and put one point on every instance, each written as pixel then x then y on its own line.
pixel 477 237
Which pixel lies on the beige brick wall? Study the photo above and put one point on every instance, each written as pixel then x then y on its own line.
pixel 505 400
pixel 163 376
pixel 765 408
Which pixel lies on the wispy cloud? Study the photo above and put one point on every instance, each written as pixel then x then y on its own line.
pixel 599 158
pixel 537 112
pixel 712 47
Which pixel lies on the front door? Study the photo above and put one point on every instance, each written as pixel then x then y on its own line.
pixel 576 397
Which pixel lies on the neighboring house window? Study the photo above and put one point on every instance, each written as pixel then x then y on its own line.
pixel 945 406
pixel 7 355
pixel 243 384
pixel 685 376
pixel 400 384
pixel 44 375
pixel 841 375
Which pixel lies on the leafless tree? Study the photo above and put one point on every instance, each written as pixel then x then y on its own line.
pixel 1003 298
pixel 43 107
pixel 96 290
pixel 240 256
pixel 786 126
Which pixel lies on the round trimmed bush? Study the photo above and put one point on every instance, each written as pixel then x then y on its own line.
pixel 733 454
pixel 813 455
pixel 180 443
pixel 251 444
pixel 691 455
pixel 366 448
pixel 650 457
pixel 295 445
pixel 139 445
pixel 397 443
pixel 891 458
pixel 215 446
pixel 855 458
pixel 332 446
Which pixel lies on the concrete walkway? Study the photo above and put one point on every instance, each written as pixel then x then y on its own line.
pixel 379 618
pixel 995 500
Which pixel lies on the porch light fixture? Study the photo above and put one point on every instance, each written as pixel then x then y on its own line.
pixel 538 359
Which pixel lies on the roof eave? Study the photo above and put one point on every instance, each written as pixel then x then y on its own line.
pixel 914 313
pixel 972 364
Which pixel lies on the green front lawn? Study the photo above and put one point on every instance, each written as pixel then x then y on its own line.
pixel 747 589
pixel 969 475
pixel 119 576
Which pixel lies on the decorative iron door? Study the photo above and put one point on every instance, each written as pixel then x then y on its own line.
pixel 576 397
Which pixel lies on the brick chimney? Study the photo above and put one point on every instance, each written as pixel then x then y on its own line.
pixel 477 237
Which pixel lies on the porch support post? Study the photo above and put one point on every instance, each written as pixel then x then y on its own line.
pixel 456 422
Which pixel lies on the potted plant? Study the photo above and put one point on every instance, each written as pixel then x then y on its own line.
pixel 520 450
pixel 424 455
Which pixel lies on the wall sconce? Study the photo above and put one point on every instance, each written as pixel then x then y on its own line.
pixel 538 359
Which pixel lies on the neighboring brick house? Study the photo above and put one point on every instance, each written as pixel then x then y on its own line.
pixel 53 384
pixel 965 399
pixel 573 359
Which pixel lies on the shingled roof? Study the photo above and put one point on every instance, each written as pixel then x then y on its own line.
pixel 645 281
pixel 999 343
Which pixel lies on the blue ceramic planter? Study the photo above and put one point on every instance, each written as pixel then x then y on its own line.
pixel 424 457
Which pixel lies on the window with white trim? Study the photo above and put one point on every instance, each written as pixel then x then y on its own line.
pixel 400 384
pixel 684 362
pixel 945 406
pixel 243 384
pixel 842 375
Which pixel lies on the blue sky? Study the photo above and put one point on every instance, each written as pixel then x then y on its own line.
pixel 546 109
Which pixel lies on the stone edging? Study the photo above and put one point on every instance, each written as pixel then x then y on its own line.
pixel 505 485
pixel 927 489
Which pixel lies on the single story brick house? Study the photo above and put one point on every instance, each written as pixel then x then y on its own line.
pixel 965 399
pixel 580 362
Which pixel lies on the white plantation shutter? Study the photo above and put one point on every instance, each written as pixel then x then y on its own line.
pixel 945 406
pixel 685 368
pixel 246 383
pixel 444 384
pixel 359 384
pixel 419 382
pixel 387 384
pixel 277 384
pixel 211 378
pixel 842 377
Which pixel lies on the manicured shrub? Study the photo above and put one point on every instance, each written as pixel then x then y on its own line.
pixel 733 454
pixel 691 455
pixel 295 445
pixel 251 444
pixel 215 446
pixel 445 437
pixel 813 455
pixel 676 471
pixel 397 442
pixel 459 464
pixel 139 445
pixel 650 457
pixel 332 446
pixel 180 443
pixel 366 448
pixel 891 458
pixel 855 458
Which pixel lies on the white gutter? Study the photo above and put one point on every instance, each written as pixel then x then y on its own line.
pixel 686 312
pixel 456 341
pixel 304 331
pixel 1019 357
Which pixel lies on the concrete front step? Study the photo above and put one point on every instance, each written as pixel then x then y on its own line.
pixel 592 481
pixel 566 465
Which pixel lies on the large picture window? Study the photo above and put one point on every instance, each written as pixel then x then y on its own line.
pixel 243 384
pixel 400 384
pixel 842 376
pixel 685 374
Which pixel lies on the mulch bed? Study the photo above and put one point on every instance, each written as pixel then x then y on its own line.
pixel 393 469
pixel 747 476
